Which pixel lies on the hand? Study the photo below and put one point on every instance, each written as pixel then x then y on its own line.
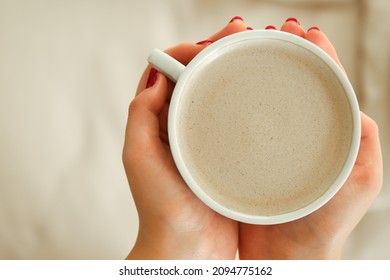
pixel 322 234
pixel 173 222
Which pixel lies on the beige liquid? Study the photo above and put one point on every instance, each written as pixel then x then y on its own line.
pixel 265 127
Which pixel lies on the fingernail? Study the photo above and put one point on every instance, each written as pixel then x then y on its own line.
pixel 236 18
pixel 152 77
pixel 293 19
pixel 270 27
pixel 249 28
pixel 313 28
pixel 204 42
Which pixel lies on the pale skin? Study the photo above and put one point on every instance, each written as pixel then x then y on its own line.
pixel 175 224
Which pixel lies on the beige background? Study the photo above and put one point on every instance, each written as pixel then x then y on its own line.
pixel 68 70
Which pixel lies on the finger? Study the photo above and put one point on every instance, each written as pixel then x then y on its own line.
pixel 164 122
pixel 270 27
pixel 368 169
pixel 143 120
pixel 235 25
pixel 293 26
pixel 318 38
pixel 369 151
pixel 183 53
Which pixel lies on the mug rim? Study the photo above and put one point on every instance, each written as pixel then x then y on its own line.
pixel 174 142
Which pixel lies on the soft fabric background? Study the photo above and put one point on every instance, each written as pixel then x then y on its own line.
pixel 68 70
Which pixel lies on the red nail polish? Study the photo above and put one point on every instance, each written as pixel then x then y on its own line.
pixel 313 28
pixel 204 42
pixel 293 19
pixel 152 77
pixel 270 27
pixel 249 28
pixel 236 18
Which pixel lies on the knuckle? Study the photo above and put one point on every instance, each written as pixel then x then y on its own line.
pixel 372 126
pixel 370 180
pixel 135 105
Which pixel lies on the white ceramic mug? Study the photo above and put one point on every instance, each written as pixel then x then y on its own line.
pixel 180 74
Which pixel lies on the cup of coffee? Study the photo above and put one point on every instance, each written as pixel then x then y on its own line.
pixel 263 126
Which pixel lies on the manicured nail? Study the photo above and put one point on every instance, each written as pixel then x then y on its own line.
pixel 249 28
pixel 204 42
pixel 236 18
pixel 152 77
pixel 313 28
pixel 292 19
pixel 268 27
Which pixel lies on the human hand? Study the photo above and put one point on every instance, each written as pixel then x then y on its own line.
pixel 322 234
pixel 173 222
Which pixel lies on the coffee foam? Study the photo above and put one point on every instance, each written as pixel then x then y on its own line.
pixel 264 128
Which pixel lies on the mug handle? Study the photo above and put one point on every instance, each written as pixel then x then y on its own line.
pixel 166 64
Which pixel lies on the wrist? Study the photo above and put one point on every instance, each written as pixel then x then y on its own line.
pixel 164 243
pixel 156 244
pixel 292 252
pixel 309 253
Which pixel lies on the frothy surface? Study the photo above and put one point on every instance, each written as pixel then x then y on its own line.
pixel 264 129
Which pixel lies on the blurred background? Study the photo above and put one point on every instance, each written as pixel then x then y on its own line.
pixel 68 71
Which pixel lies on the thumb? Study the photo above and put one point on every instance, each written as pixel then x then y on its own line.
pixel 143 126
pixel 319 38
